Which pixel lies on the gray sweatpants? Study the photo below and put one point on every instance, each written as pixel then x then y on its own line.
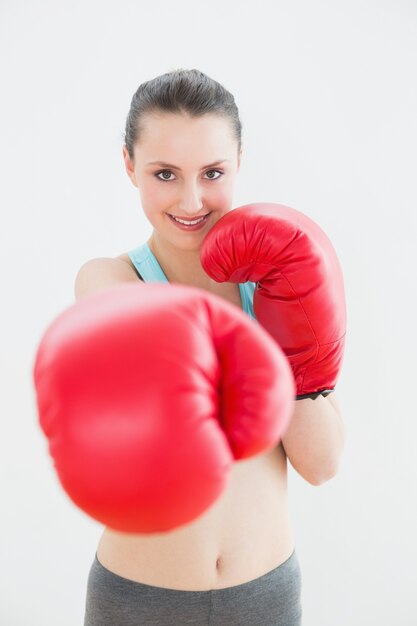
pixel 273 599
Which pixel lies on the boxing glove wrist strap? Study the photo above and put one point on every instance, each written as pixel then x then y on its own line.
pixel 313 396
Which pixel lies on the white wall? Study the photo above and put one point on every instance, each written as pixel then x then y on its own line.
pixel 328 100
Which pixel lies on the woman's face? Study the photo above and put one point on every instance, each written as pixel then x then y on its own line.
pixel 186 168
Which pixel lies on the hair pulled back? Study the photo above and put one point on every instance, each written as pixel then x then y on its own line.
pixel 180 91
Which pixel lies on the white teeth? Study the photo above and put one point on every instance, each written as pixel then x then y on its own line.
pixel 177 219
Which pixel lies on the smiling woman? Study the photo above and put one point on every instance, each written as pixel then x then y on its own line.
pixel 182 152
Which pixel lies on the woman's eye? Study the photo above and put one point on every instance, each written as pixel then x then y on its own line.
pixel 218 172
pixel 164 178
pixel 163 172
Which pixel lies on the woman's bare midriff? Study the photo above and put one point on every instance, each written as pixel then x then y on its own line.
pixel 243 535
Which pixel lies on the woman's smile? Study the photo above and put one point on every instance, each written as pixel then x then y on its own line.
pixel 189 224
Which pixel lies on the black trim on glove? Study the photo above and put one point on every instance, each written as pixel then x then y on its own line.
pixel 313 396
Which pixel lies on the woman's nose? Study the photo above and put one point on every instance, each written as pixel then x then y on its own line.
pixel 190 201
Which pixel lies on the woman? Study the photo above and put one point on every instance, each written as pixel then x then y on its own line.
pixel 236 563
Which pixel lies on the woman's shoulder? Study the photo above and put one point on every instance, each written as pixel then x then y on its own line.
pixel 126 258
pixel 102 272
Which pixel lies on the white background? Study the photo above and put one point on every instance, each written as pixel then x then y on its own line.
pixel 328 101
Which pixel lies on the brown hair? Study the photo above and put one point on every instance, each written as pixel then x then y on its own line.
pixel 180 91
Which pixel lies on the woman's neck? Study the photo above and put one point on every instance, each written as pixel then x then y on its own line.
pixel 180 266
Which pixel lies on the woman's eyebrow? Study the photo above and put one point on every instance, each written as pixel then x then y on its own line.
pixel 174 167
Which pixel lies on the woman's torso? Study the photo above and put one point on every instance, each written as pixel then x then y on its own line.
pixel 243 535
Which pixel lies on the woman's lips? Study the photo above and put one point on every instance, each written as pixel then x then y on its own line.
pixel 192 227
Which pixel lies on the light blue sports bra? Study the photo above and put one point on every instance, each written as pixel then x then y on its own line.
pixel 148 267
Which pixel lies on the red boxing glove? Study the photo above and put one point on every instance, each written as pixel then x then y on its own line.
pixel 148 393
pixel 299 296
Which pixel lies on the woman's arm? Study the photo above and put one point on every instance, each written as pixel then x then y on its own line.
pixel 315 438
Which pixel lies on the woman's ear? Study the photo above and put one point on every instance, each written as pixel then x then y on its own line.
pixel 129 167
pixel 239 159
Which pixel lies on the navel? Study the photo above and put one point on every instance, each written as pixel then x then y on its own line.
pixel 219 563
